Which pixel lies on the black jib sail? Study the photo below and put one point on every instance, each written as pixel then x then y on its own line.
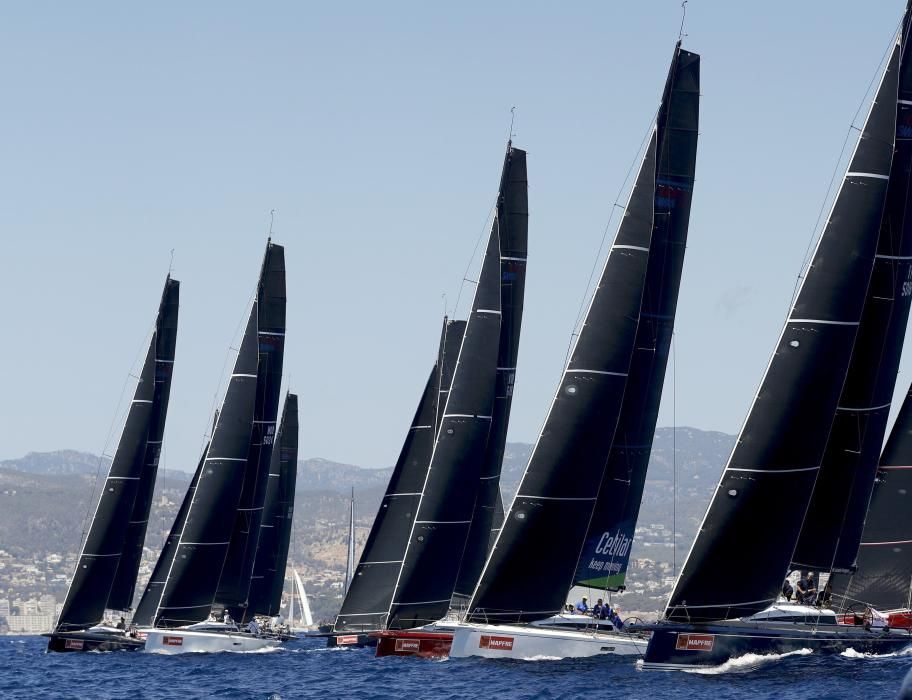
pixel 550 515
pixel 832 528
pixel 603 561
pixel 193 576
pixel 368 599
pixel 513 227
pixel 884 575
pixel 278 512
pixel 89 591
pixel 428 572
pixel 234 585
pixel 124 586
pixel 151 597
pixel 775 462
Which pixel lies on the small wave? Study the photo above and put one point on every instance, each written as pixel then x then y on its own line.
pixel 850 653
pixel 743 664
pixel 541 657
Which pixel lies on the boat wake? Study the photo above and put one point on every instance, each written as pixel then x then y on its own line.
pixel 264 650
pixel 746 663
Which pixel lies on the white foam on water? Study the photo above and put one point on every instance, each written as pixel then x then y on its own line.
pixel 541 657
pixel 743 664
pixel 850 653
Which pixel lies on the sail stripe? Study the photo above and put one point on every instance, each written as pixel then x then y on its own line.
pixel 619 246
pixel 595 371
pixel 772 471
pixel 824 321
pixel 876 544
pixel 465 415
pixel 863 410
pixel 874 175
pixel 249 376
pixel 554 498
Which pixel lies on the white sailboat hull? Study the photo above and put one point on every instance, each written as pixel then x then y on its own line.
pixel 539 643
pixel 183 641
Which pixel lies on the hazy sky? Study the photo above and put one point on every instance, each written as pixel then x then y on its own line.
pixel 376 131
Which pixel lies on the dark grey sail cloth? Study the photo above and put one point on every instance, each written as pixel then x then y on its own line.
pixel 368 599
pixel 497 523
pixel 606 552
pixel 832 529
pixel 753 520
pixel 278 513
pixel 547 522
pixel 124 586
pixel 884 575
pixel 234 585
pixel 87 596
pixel 513 228
pixel 151 597
pixel 438 536
pixel 193 577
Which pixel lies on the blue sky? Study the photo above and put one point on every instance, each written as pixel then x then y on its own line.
pixel 376 131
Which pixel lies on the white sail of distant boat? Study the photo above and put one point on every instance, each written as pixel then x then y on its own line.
pixel 306 616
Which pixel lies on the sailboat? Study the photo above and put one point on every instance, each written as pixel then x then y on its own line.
pixel 600 425
pixel 108 564
pixel 207 570
pixel 880 588
pixel 368 603
pixel 296 589
pixel 809 447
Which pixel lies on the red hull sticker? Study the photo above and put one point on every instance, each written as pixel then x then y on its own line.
pixel 73 644
pixel 408 645
pixel 173 641
pixel 695 642
pixel 347 639
pixel 489 641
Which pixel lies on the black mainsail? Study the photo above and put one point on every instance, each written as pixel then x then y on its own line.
pixel 122 591
pixel 278 512
pixel 438 535
pixel 775 461
pixel 234 585
pixel 103 548
pixel 513 227
pixel 606 553
pixel 368 599
pixel 832 529
pixel 884 575
pixel 550 515
pixel 193 576
pixel 151 597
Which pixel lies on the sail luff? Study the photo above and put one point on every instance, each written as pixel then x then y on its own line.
pixel 779 450
pixel 428 572
pixel 193 577
pixel 832 529
pixel 124 586
pixel 513 225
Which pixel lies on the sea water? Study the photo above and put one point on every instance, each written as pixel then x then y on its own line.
pixel 306 669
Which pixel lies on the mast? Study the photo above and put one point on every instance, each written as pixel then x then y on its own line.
pixel 438 535
pixel 234 585
pixel 89 591
pixel 832 529
pixel 513 226
pixel 606 552
pixel 546 526
pixel 278 513
pixel 774 464
pixel 151 597
pixel 350 559
pixel 124 586
pixel 370 593
pixel 193 576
